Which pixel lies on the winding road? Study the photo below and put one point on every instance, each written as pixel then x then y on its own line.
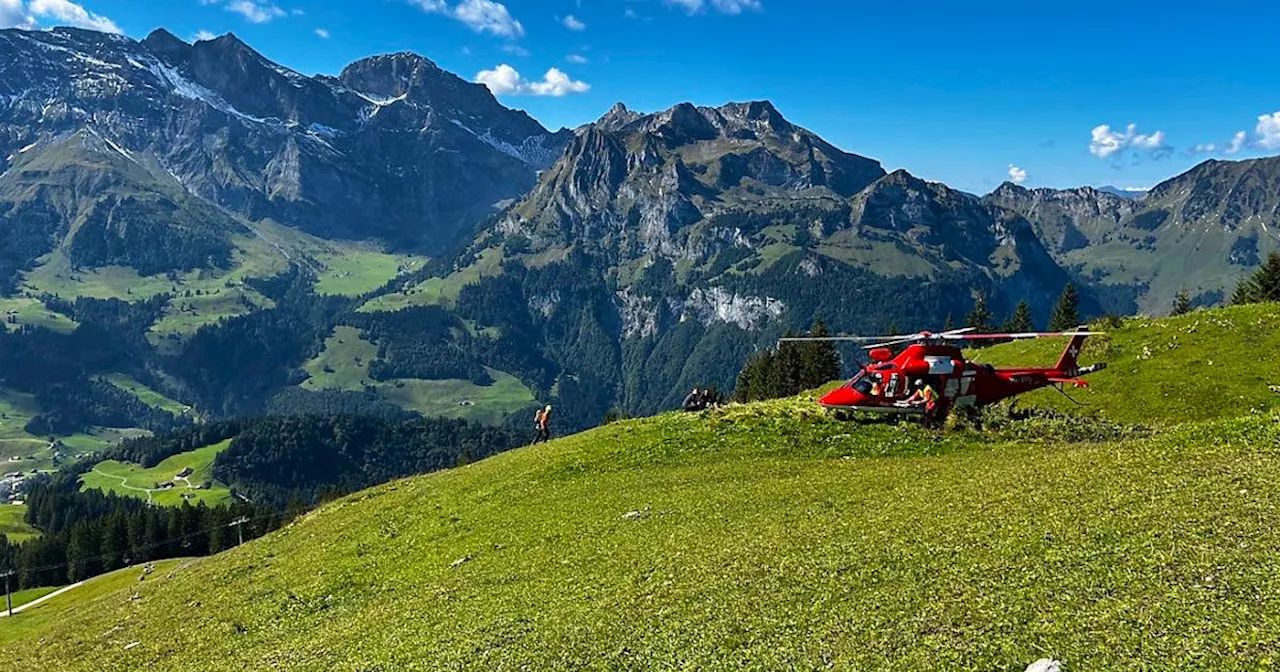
pixel 124 483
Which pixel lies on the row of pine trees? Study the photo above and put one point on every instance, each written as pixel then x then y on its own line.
pixel 1065 316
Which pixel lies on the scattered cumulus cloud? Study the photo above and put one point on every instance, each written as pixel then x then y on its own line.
pixel 322 33
pixel 1017 175
pixel 722 6
pixel 505 80
pixel 1237 143
pixel 482 16
pixel 573 23
pixel 13 14
pixel 16 14
pixel 203 36
pixel 1109 143
pixel 256 12
pixel 1268 131
pixel 576 58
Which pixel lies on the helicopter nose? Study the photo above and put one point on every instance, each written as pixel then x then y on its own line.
pixel 842 396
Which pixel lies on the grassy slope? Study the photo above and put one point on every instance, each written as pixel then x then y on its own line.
pixel 147 395
pixel 439 291
pixel 13 526
pixel 22 597
pixel 104 592
pixel 16 313
pixel 765 537
pixel 768 537
pixel 1203 365
pixel 16 410
pixel 347 356
pixel 139 482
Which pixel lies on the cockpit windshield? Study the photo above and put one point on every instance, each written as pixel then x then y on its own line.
pixel 863 382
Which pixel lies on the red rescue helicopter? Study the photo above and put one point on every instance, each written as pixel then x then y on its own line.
pixel 895 385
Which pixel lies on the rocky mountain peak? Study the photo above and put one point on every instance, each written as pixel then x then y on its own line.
pixel 400 74
pixel 752 114
pixel 617 118
pixel 166 44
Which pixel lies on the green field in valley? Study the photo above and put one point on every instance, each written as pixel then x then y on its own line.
pixel 771 536
pixel 13 526
pixel 147 395
pixel 356 272
pixel 344 365
pixel 16 313
pixel 133 480
pixel 439 291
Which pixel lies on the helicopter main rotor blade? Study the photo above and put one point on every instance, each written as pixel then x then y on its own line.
pixel 1026 335
pixel 857 339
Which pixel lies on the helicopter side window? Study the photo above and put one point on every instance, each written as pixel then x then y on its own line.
pixel 863 385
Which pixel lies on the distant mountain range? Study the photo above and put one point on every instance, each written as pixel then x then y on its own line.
pixel 213 211
pixel 1129 192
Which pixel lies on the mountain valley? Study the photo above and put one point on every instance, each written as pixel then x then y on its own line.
pixel 394 237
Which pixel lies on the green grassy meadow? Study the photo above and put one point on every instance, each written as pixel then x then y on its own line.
pixel 344 365
pixel 22 597
pixel 16 313
pixel 101 593
pixel 755 537
pixel 439 291
pixel 132 480
pixel 13 526
pixel 147 395
pixel 771 536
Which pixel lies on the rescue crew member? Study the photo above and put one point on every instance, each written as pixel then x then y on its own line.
pixel 542 425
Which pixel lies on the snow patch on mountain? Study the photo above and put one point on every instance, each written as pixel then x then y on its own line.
pixel 533 151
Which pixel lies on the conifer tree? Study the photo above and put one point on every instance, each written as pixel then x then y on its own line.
pixel 1267 279
pixel 1066 315
pixel 950 324
pixel 819 360
pixel 1021 320
pixel 980 317
pixel 1182 302
pixel 1263 285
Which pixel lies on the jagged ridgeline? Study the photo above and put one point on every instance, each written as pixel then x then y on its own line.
pixel 250 239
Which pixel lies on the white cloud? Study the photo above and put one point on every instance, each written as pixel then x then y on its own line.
pixel 1017 175
pixel 1268 131
pixel 722 6
pixel 576 58
pixel 66 13
pixel 256 12
pixel 515 49
pixel 1237 143
pixel 203 36
pixel 506 80
pixel 1107 143
pixel 322 33
pixel 14 15
pixel 482 16
pixel 573 23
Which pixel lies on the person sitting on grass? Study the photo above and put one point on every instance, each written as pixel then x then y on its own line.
pixel 695 401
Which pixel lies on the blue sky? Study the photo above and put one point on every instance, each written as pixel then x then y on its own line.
pixel 1058 94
